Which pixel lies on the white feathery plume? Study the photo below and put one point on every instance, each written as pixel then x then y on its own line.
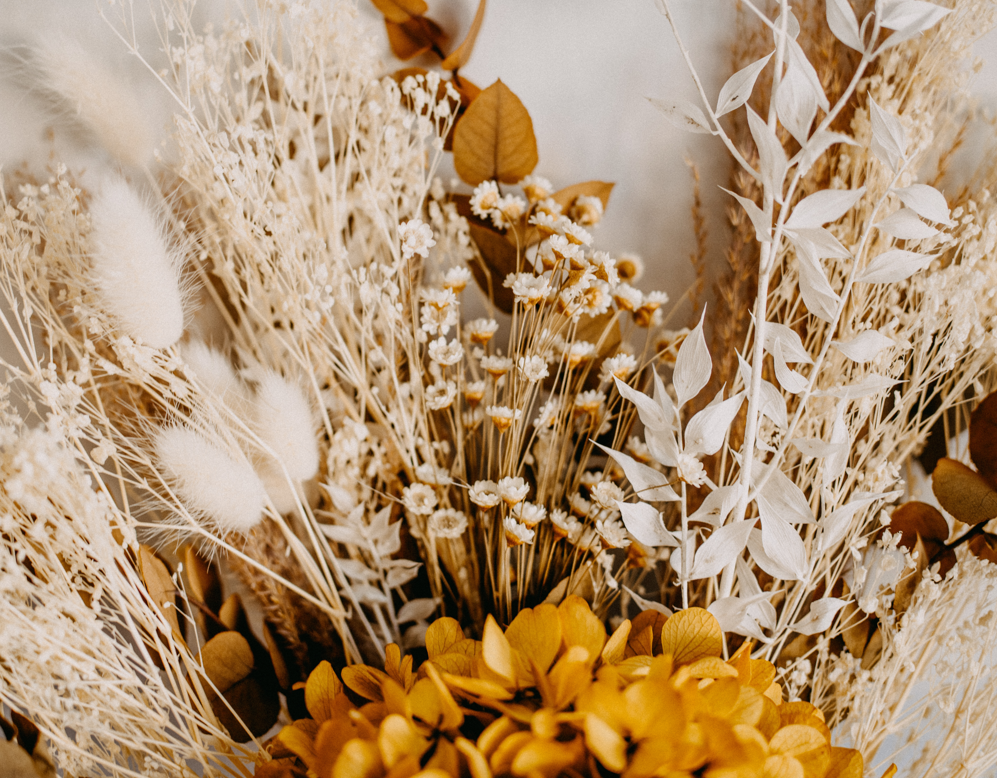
pixel 284 421
pixel 213 371
pixel 96 96
pixel 211 481
pixel 136 272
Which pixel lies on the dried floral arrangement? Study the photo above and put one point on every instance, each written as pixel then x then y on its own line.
pixel 315 466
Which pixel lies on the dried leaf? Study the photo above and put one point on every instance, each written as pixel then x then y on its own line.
pixel 819 618
pixel 805 744
pixel 203 582
pixel 783 543
pixel 691 634
pixel 536 634
pixel 893 266
pixel 417 610
pixel 615 647
pixel 855 629
pixel 984 547
pixel 771 155
pixel 983 438
pixel 399 11
pixel 843 23
pixel 581 627
pixel 845 762
pixel 918 519
pixel 756 216
pixel 927 202
pixel 783 498
pixel 498 259
pixel 693 365
pixel 321 690
pixel 707 430
pixel 566 197
pixel 963 492
pixel 442 635
pixel 906 225
pixel 229 664
pixel 496 651
pixel 413 37
pixel 864 347
pixel 823 207
pixel 684 115
pixel 720 549
pixel 159 583
pixel 737 90
pixel 365 681
pixel 889 141
pixel 459 56
pixel 494 139
pixel 648 483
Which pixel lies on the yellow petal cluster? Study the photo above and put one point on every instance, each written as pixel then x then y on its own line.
pixel 554 694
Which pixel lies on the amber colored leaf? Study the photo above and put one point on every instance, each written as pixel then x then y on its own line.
pixel 364 680
pixel 641 642
pixel 873 650
pixel 581 627
pixel 605 743
pixel 768 723
pixel 298 742
pixel 413 37
pixel 496 651
pixel 477 765
pixel 159 583
pixel 890 771
pixel 442 635
pixel 984 547
pixel 653 619
pixel 203 582
pixel 459 56
pixel 914 519
pixel 498 259
pixel 781 766
pixel 567 196
pixel 721 696
pixel 635 667
pixel 963 492
pixel 397 738
pixel 233 615
pixel 321 690
pixel 230 666
pixel 845 763
pixel 399 11
pixel 616 646
pixel 983 438
pixel 801 712
pixel 494 139
pixel 281 665
pixel 856 629
pixel 279 770
pixel 692 634
pixel 904 588
pixel 805 744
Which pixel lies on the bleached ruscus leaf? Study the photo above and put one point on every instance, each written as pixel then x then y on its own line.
pixel 737 89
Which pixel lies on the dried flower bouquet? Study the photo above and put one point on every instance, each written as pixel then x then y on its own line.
pixel 314 466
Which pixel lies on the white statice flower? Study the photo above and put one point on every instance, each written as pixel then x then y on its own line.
pixel 527 288
pixel 440 395
pixel 576 234
pixel 474 392
pixel 529 514
pixel 496 366
pixel 587 210
pixel 547 225
pixel 484 494
pixel 605 268
pixel 691 470
pixel 619 366
pixel 513 490
pixel 612 533
pixel 606 494
pixel 484 199
pixel 481 331
pixel 590 401
pixel 533 368
pixel 419 499
pixel 438 320
pixel 416 237
pixel 443 353
pixel 429 473
pixel 547 414
pixel 630 267
pixel 579 505
pixel 447 523
pixel 503 416
pixel 515 533
pixel 565 525
pixel 536 188
pixel 456 279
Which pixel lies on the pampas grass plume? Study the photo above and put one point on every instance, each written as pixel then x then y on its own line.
pixel 213 371
pixel 136 273
pixel 285 422
pixel 95 95
pixel 210 481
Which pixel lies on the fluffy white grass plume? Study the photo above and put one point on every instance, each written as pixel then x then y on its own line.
pixel 209 480
pixel 136 273
pixel 213 371
pixel 285 423
pixel 95 95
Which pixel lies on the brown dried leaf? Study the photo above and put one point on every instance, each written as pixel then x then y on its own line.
pixel 282 769
pixel 159 583
pixel 281 666
pixel 459 56
pixel 918 519
pixel 414 36
pixel 399 11
pixel 229 664
pixel 984 547
pixel 497 259
pixel 963 492
pixel 233 615
pixel 856 633
pixel 203 582
pixel 983 438
pixel 904 590
pixel 873 650
pixel 494 139
pixel 567 196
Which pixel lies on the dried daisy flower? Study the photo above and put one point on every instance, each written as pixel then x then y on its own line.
pixel 533 368
pixel 441 395
pixel 527 288
pixel 419 499
pixel 447 523
pixel 496 366
pixel 485 199
pixel 517 534
pixel 481 331
pixel 536 188
pixel 513 490
pixel 456 279
pixel 630 267
pixel 503 416
pixel 620 366
pixel 484 494
pixel 444 353
pixel 474 393
pixel 416 238
pixel 586 210
pixel 528 514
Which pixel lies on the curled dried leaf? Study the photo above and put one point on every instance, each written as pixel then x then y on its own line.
pixel 460 56
pixel 983 438
pixel 414 36
pixel 159 583
pixel 399 11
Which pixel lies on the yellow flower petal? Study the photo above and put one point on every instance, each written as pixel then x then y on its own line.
pixel 450 714
pixel 442 635
pixel 536 634
pixel 300 743
pixel 635 667
pixel 720 697
pixel 397 739
pixel 501 759
pixel 845 763
pixel 455 664
pixel 580 626
pixel 748 708
pixel 478 687
pixel 547 758
pixel 605 743
pixel 494 734
pixel 615 647
pixel 477 765
pixel 807 745
pixel 358 759
pixel 497 652
pixel 365 681
pixel 692 634
pixel 780 766
pixel 445 758
pixel 653 709
pixel 711 667
pixel 321 690
pixel 804 713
